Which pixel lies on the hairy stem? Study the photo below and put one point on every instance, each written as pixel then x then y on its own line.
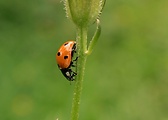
pixel 82 48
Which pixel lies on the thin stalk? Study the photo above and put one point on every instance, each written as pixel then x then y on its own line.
pixel 82 47
pixel 94 38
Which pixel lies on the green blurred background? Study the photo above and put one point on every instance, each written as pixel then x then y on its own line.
pixel 126 76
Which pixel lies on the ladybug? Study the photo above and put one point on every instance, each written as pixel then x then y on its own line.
pixel 64 59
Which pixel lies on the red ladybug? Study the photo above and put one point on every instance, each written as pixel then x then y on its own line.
pixel 64 59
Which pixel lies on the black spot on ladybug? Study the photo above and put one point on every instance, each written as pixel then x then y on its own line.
pixel 65 44
pixel 65 57
pixel 58 53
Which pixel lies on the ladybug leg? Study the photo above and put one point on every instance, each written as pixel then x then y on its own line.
pixel 76 59
pixel 73 62
pixel 72 65
pixel 72 75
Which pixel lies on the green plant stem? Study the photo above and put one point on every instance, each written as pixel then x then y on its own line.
pixel 95 38
pixel 82 48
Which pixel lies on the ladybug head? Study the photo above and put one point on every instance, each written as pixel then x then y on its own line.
pixel 69 74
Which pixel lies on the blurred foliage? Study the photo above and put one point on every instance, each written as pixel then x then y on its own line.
pixel 126 76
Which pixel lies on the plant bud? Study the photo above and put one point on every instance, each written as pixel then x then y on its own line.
pixel 83 12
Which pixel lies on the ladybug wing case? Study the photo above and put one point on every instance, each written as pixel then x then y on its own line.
pixel 64 59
